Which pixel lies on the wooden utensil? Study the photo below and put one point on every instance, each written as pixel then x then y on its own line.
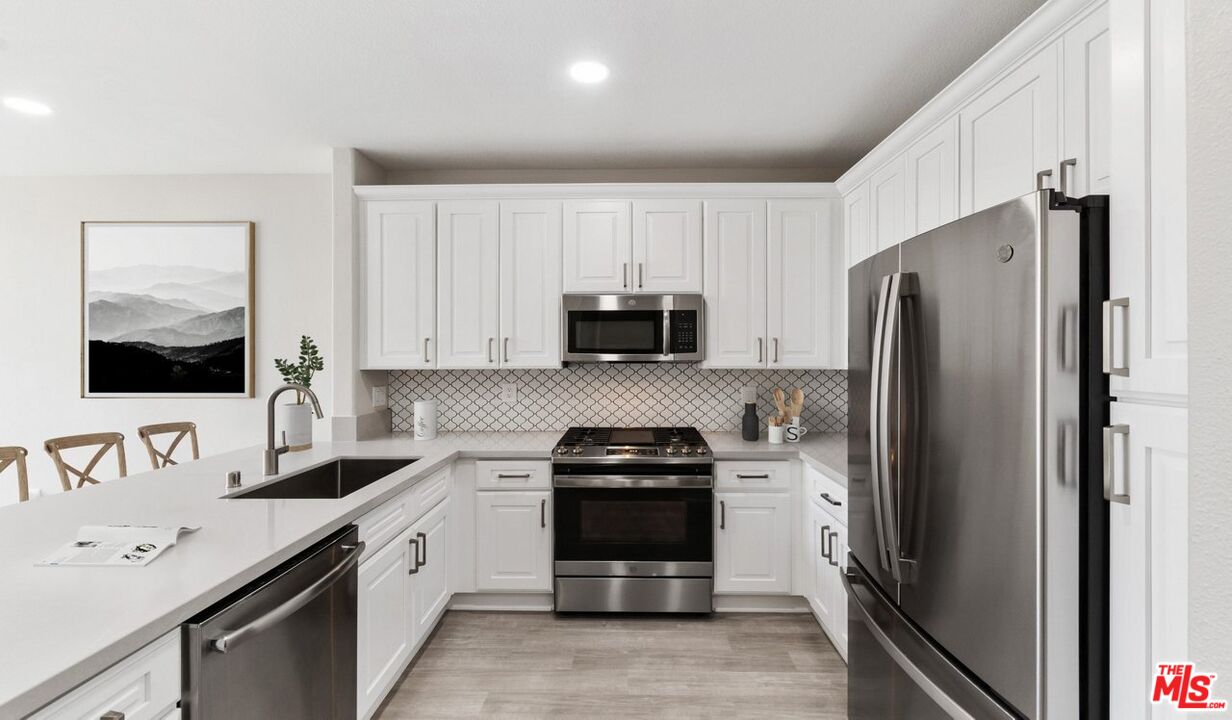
pixel 780 401
pixel 797 402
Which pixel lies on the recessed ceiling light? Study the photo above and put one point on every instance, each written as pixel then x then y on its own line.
pixel 29 107
pixel 588 72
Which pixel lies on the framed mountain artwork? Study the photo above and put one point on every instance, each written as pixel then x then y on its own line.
pixel 167 309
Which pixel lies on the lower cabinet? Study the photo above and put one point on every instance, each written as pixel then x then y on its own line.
pixel 513 541
pixel 430 586
pixel 752 542
pixel 143 686
pixel 826 595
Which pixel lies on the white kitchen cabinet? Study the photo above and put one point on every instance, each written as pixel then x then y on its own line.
pixel 385 635
pixel 752 543
pixel 735 250
pixel 142 686
pixel 827 547
pixel 598 247
pixel 430 587
pixel 530 283
pixel 1008 133
pixel 467 276
pixel 1149 561
pixel 887 205
pixel 802 279
pixel 856 224
pixel 931 179
pixel 667 246
pixel 399 281
pixel 837 566
pixel 1085 109
pixel 513 541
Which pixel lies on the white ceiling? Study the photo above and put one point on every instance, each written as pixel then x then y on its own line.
pixel 190 86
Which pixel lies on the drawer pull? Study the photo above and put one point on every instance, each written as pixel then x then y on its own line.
pixel 512 476
pixel 762 476
pixel 832 501
pixel 111 715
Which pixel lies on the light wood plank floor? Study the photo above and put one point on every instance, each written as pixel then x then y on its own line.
pixel 535 665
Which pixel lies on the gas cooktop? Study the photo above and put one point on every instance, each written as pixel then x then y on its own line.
pixel 661 443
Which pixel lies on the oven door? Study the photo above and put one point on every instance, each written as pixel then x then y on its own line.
pixel 642 524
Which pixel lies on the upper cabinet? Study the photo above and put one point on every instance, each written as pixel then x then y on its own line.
pixel 1008 134
pixel 931 187
pixel 856 222
pixel 1086 106
pixel 886 208
pixel 667 246
pixel 530 281
pixel 736 252
pixel 598 246
pixel 399 284
pixel 467 276
pixel 803 283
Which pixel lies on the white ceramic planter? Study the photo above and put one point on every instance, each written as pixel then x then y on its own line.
pixel 296 421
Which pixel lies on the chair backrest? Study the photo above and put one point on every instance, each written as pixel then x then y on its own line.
pixel 105 441
pixel 161 459
pixel 17 455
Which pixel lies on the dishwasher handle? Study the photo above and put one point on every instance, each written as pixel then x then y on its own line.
pixel 229 639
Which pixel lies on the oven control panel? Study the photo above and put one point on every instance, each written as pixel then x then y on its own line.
pixel 634 451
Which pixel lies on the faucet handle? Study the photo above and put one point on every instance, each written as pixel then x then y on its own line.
pixel 284 438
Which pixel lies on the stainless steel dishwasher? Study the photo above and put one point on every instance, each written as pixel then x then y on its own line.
pixel 282 647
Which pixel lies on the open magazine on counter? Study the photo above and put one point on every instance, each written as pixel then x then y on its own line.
pixel 116 545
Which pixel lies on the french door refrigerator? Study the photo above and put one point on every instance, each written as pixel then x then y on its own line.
pixel 977 579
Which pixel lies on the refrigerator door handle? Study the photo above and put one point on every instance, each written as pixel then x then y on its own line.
pixel 875 423
pixel 899 285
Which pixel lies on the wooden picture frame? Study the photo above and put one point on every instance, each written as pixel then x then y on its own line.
pixel 168 309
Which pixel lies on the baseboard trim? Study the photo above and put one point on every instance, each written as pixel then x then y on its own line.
pixel 508 602
pixel 761 604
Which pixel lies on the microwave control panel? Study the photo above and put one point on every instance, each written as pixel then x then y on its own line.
pixel 684 331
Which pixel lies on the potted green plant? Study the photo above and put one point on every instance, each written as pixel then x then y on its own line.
pixel 295 418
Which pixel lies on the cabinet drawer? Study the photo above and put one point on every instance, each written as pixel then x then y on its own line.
pixel 513 475
pixel 827 492
pixel 430 492
pixel 143 686
pixel 380 526
pixel 746 476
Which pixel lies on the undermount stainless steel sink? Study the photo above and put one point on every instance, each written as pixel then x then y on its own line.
pixel 333 480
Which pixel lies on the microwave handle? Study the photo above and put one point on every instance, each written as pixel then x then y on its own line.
pixel 667 333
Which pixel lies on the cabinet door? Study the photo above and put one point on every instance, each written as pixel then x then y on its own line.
pixel 597 246
pixel 753 543
pixel 735 252
pixel 667 246
pixel 1009 133
pixel 856 224
pixel 468 276
pixel 1148 239
pixel 821 591
pixel 530 281
pixel 1148 598
pixel 801 283
pixel 430 586
pixel 399 284
pixel 1085 107
pixel 385 622
pixel 838 599
pixel 932 179
pixel 513 544
pixel 887 205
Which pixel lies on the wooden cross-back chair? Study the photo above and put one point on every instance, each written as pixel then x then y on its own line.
pixel 147 434
pixel 105 441
pixel 16 456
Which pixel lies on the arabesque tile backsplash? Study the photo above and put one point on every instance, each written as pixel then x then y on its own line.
pixel 617 394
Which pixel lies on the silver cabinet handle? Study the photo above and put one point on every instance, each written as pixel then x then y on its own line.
pixel 722 515
pixel 831 500
pixel 506 349
pixel 423 543
pixel 761 476
pixel 1070 163
pixel 512 476
pixel 1041 182
pixel 1110 366
pixel 1110 493
pixel 543 512
pixel 490 341
pixel 425 349
pixel 832 557
pixel 230 638
pixel 825 533
pixel 624 274
pixel 414 542
pixel 775 342
pixel 639 276
pixel 759 349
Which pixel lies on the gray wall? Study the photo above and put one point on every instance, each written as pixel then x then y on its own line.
pixel 1209 108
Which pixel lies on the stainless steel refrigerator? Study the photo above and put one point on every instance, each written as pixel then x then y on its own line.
pixel 978 565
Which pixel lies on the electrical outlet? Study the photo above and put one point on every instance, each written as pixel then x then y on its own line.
pixel 379 396
pixel 509 393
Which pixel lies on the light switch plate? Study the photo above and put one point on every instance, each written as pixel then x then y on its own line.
pixel 379 396
pixel 509 393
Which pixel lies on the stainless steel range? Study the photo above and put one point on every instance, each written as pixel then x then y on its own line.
pixel 633 509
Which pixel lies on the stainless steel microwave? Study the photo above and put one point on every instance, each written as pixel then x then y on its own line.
pixel 632 328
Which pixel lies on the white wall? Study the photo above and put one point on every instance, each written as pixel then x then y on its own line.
pixel 40 303
pixel 1209 110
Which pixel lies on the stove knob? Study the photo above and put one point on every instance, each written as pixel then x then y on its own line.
pixel 562 450
pixel 686 450
pixel 577 450
pixel 671 450
pixel 701 451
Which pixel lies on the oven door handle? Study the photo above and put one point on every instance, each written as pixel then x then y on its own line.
pixel 633 481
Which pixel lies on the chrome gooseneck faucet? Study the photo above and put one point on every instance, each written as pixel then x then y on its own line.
pixel 272 452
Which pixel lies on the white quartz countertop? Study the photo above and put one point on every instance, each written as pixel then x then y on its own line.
pixel 60 626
